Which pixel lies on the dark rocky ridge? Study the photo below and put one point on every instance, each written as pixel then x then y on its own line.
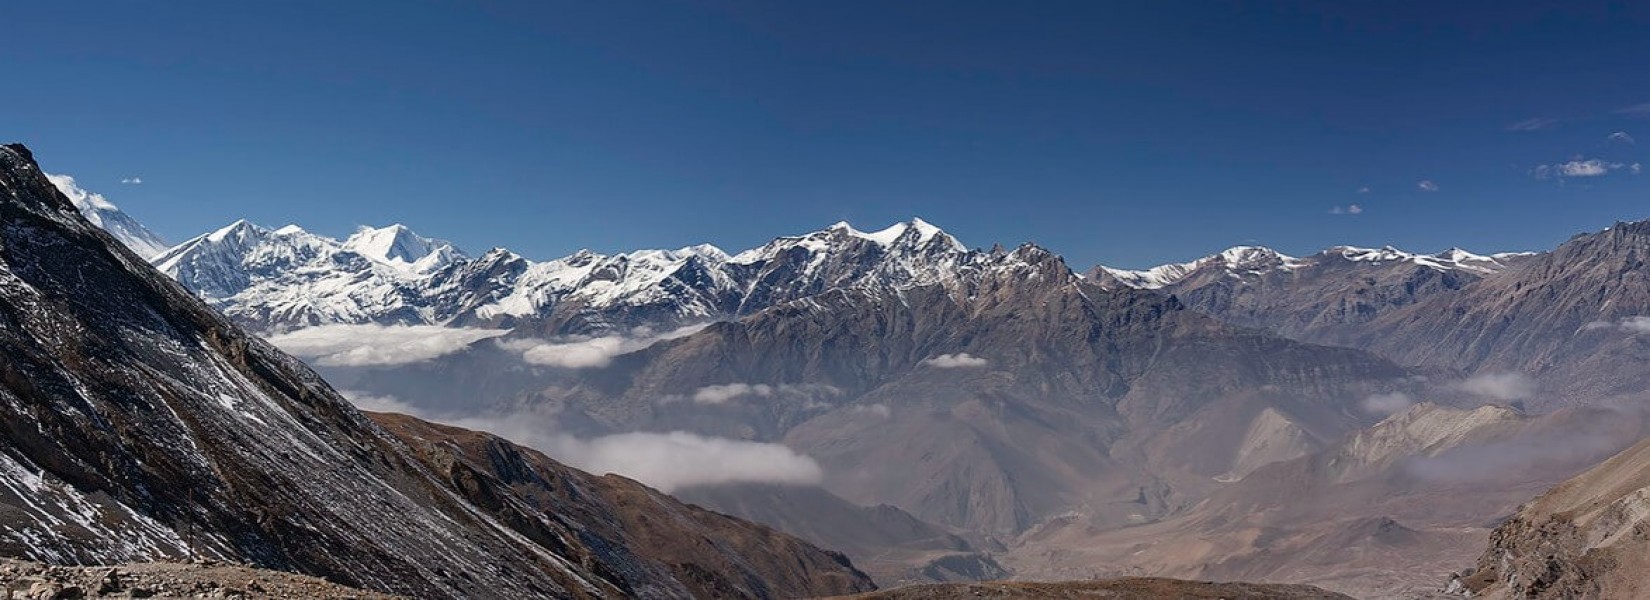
pixel 140 425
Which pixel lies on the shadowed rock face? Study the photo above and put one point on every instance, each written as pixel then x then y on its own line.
pixel 139 425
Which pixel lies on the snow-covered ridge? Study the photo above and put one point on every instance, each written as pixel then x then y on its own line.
pixel 103 213
pixel 1241 261
pixel 289 278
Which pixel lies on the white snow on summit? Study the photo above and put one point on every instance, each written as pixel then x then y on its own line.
pixel 109 217
pixel 1242 261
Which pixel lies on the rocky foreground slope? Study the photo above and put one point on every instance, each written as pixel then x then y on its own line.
pixel 136 424
pixel 1586 538
pixel 28 580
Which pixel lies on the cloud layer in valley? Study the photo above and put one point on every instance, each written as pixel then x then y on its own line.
pixel 378 345
pixel 1499 386
pixel 723 393
pixel 1386 404
pixel 590 352
pixel 665 460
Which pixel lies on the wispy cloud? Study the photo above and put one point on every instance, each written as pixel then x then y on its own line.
pixel 1426 185
pixel 1386 404
pixel 1620 137
pixel 1581 167
pixel 1532 124
pixel 1498 386
pixel 378 345
pixel 1364 190
pixel 956 361
pixel 1633 325
pixel 665 460
pixel 723 393
pixel 590 352
pixel 132 180
pixel 1350 209
pixel 1636 110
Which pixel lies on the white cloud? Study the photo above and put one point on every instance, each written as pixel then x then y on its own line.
pixel 721 394
pixel 590 352
pixel 377 402
pixel 1621 137
pixel 1532 124
pixel 1581 167
pixel 954 361
pixel 671 461
pixel 1499 386
pixel 1351 209
pixel 1591 167
pixel 378 345
pixel 1426 185
pixel 1364 190
pixel 1386 404
pixel 132 180
pixel 717 394
pixel 667 461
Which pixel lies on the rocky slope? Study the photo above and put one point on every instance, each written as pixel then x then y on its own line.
pixel 1589 537
pixel 1574 319
pixel 140 425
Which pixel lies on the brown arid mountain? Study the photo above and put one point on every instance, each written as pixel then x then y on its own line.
pixel 1017 390
pixel 140 425
pixel 1128 588
pixel 1310 297
pixel 1389 511
pixel 1574 319
pixel 889 544
pixel 1589 537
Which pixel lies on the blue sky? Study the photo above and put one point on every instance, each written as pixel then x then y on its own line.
pixel 1129 133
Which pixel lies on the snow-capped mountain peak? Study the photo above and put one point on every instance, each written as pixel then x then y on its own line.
pixel 397 246
pixel 103 213
pixel 1237 260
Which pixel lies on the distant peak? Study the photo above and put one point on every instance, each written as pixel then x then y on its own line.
pixel 398 246
pixel 240 229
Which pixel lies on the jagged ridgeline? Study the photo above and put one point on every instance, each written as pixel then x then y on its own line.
pixel 138 424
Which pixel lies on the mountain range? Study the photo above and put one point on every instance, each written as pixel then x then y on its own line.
pixel 979 412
